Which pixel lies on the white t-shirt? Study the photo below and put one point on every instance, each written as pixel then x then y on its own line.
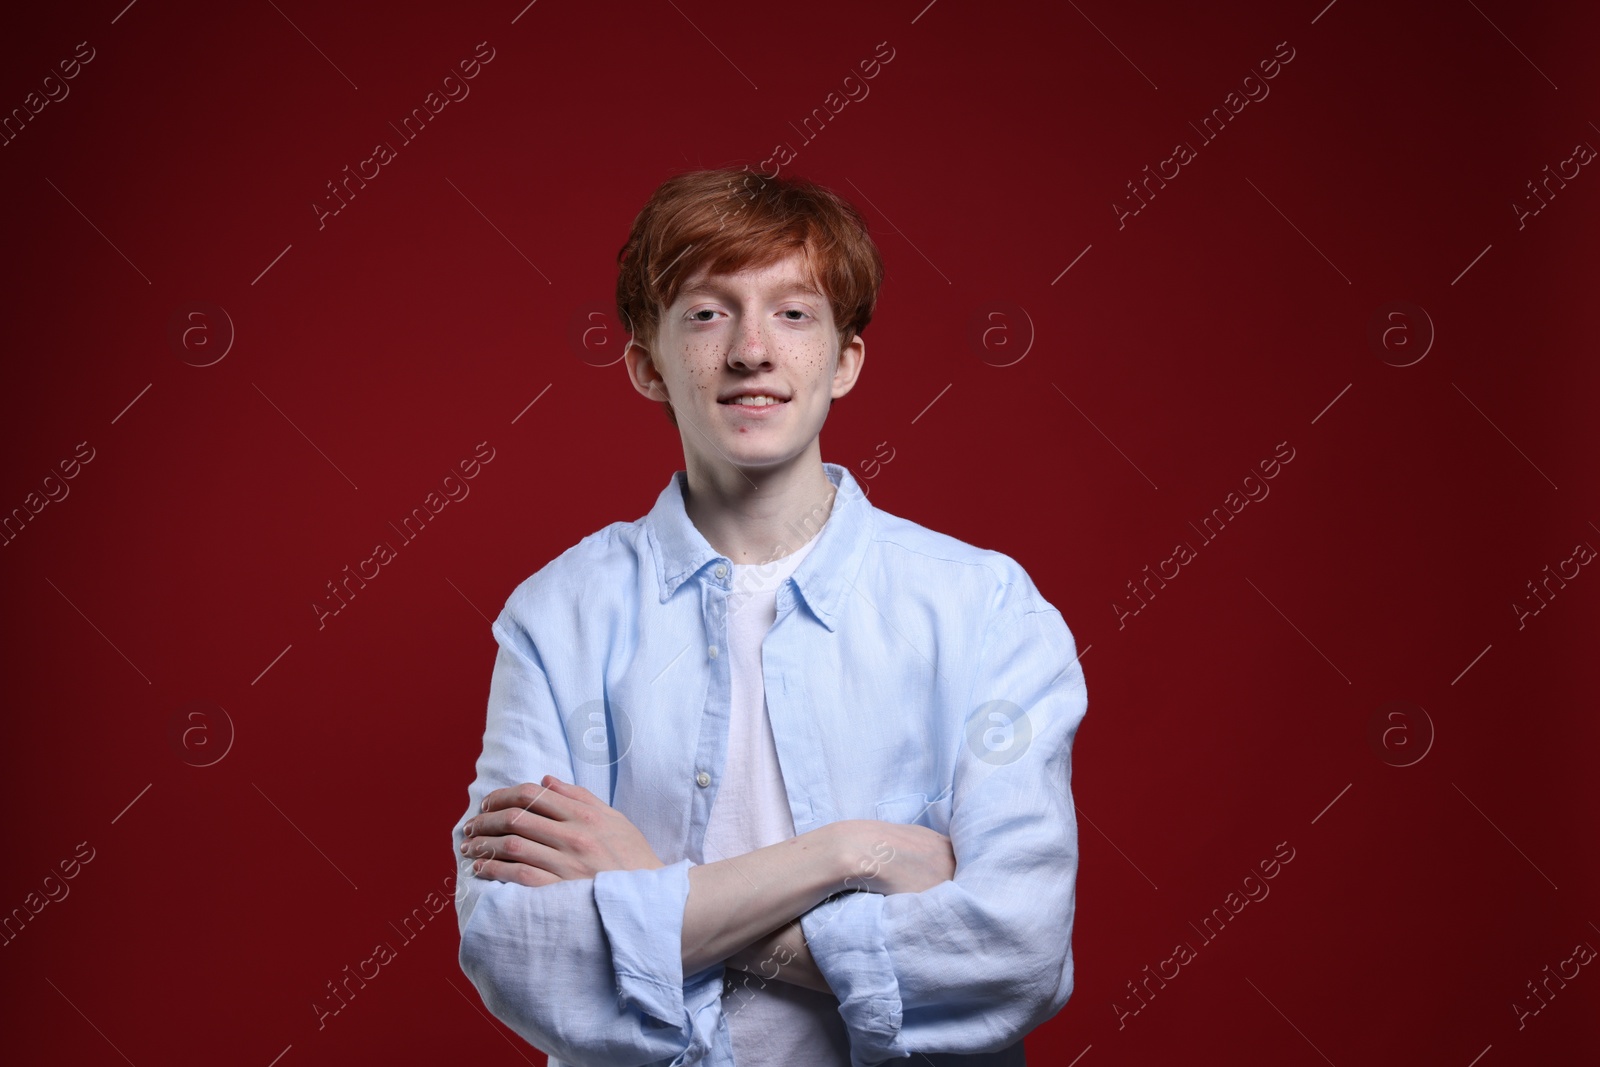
pixel 772 1023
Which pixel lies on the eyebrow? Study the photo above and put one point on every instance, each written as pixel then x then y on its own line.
pixel 786 285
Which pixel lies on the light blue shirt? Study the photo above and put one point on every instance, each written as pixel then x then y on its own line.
pixel 910 677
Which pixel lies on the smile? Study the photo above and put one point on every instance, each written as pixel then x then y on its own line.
pixel 754 408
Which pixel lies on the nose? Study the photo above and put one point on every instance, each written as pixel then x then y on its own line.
pixel 749 344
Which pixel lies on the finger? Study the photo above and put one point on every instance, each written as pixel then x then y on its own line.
pixel 518 873
pixel 514 821
pixel 511 796
pixel 516 850
pixel 549 800
pixel 573 791
pixel 527 796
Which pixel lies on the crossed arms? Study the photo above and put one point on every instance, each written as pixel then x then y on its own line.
pixel 739 910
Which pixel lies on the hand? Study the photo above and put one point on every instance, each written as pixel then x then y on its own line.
pixel 890 858
pixel 537 835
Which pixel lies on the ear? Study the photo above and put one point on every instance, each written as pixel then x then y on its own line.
pixel 642 372
pixel 848 366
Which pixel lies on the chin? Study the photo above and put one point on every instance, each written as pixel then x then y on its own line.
pixel 760 458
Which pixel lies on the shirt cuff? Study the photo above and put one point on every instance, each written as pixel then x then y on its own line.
pixel 641 912
pixel 846 938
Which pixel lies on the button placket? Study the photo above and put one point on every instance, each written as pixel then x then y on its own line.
pixel 713 720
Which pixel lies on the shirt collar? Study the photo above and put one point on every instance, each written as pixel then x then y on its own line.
pixel 823 577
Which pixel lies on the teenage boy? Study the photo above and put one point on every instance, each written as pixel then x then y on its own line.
pixel 770 775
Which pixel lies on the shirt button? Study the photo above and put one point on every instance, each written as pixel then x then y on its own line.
pixel 722 571
pixel 712 651
pixel 702 779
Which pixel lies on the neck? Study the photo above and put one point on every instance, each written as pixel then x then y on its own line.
pixel 757 516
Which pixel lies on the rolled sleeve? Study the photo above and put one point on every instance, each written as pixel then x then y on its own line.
pixel 642 914
pixel 848 942
pixel 587 970
pixel 974 963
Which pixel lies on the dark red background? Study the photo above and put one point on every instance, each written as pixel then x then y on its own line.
pixel 376 352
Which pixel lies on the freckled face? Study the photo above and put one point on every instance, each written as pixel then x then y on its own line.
pixel 766 329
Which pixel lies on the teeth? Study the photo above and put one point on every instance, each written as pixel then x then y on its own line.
pixel 755 401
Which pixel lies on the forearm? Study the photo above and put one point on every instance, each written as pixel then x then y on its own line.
pixel 922 860
pixel 735 902
pixel 782 956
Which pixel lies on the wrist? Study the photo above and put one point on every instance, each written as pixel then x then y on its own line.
pixel 840 843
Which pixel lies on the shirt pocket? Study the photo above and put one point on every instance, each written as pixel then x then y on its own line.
pixel 918 809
